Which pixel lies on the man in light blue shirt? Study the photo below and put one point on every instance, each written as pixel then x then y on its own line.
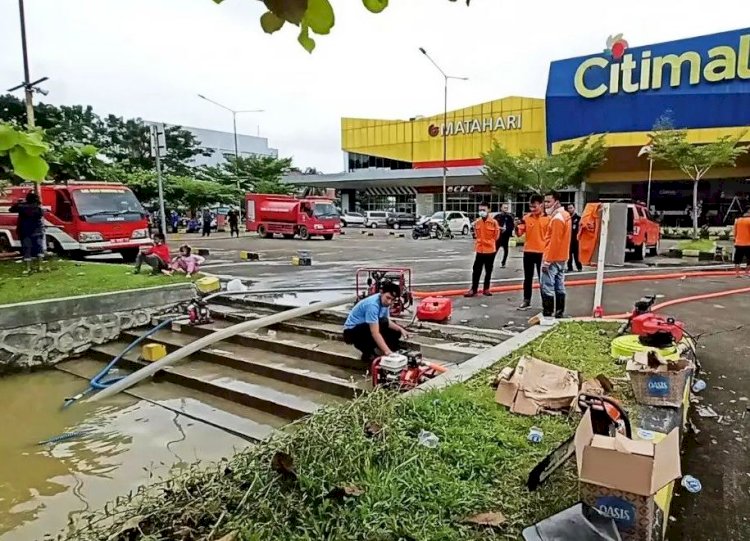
pixel 369 325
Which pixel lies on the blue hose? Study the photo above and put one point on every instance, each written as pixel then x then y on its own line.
pixel 99 381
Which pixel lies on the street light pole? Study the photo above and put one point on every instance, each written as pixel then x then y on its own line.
pixel 445 128
pixel 234 128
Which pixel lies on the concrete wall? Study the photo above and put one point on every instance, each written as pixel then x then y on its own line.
pixel 42 333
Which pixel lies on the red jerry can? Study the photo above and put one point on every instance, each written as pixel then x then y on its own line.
pixel 437 309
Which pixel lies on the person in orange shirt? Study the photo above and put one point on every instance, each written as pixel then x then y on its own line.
pixel 555 257
pixel 487 231
pixel 742 242
pixel 534 226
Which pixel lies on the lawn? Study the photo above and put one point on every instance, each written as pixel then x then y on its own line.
pixel 346 484
pixel 61 278
pixel 702 245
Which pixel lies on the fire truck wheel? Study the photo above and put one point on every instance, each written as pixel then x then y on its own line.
pixel 129 255
pixel 304 234
pixel 638 253
pixel 4 244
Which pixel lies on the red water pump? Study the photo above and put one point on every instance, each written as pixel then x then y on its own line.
pixel 369 281
pixel 198 312
pixel 437 309
pixel 403 370
pixel 654 330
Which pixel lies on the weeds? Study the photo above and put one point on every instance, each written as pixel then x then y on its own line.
pixel 351 482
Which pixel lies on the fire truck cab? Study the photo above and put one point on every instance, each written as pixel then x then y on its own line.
pixel 81 218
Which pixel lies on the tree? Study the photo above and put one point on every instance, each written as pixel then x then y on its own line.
pixel 124 141
pixel 539 172
pixel 671 146
pixel 259 174
pixel 309 15
pixel 195 194
pixel 22 154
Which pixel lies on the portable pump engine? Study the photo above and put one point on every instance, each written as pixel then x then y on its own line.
pixel 369 281
pixel 654 330
pixel 402 371
pixel 198 312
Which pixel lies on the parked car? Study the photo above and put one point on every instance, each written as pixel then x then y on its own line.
pixel 644 233
pixel 352 218
pixel 375 218
pixel 397 220
pixel 458 222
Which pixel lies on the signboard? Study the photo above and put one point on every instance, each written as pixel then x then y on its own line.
pixel 704 82
pixel 477 125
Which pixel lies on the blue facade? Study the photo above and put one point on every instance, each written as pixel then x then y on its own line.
pixel 705 83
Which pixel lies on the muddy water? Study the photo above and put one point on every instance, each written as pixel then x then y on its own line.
pixel 42 487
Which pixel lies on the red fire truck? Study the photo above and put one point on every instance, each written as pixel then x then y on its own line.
pixel 290 216
pixel 81 218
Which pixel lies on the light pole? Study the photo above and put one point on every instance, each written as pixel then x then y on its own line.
pixel 647 151
pixel 445 128
pixel 234 127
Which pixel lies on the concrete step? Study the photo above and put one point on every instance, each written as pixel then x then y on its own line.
pixel 269 395
pixel 444 350
pixel 321 350
pixel 248 423
pixel 302 369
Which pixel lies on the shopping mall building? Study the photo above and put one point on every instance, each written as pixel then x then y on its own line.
pixel 702 83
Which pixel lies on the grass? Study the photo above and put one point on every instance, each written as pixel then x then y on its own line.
pixel 702 245
pixel 60 278
pixel 409 491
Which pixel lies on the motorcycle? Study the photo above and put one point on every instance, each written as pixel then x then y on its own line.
pixel 427 229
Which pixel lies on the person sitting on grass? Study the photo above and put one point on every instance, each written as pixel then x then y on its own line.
pixel 30 227
pixel 185 262
pixel 156 256
pixel 369 326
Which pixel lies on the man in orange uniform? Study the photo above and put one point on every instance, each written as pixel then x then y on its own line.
pixel 534 226
pixel 742 242
pixel 487 231
pixel 555 258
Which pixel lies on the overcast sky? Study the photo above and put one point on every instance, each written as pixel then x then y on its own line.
pixel 149 58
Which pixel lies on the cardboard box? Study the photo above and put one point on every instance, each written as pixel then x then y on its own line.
pixel 535 386
pixel 662 385
pixel 628 480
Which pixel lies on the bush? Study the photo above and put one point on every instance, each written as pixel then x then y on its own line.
pixel 704 232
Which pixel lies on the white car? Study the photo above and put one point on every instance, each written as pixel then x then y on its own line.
pixel 352 218
pixel 458 222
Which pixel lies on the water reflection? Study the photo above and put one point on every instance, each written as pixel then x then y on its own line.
pixel 42 487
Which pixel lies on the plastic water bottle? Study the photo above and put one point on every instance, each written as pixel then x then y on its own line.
pixel 536 434
pixel 698 385
pixel 691 484
pixel 428 439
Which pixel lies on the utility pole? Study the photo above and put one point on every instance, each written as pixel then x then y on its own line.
pixel 157 136
pixel 28 89
pixel 445 128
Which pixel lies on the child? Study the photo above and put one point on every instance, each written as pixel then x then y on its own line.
pixel 185 262
pixel 156 256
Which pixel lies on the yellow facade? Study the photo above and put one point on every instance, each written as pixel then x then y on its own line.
pixel 516 123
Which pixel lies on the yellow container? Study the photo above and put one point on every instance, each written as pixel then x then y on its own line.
pixel 209 284
pixel 627 345
pixel 153 352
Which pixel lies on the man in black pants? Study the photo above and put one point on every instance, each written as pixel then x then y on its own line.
pixel 575 221
pixel 505 220
pixel 534 227
pixel 486 233
pixel 369 325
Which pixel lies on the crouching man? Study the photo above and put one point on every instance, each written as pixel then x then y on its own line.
pixel 369 325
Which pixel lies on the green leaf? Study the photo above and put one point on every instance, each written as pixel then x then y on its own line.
pixel 8 137
pixel 305 40
pixel 319 16
pixel 292 11
pixel 270 22
pixel 89 151
pixel 375 6
pixel 32 143
pixel 27 166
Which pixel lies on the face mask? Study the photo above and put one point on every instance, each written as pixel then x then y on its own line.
pixel 549 211
pixel 482 213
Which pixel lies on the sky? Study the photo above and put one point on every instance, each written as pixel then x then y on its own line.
pixel 150 58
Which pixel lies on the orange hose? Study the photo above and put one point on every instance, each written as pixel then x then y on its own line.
pixel 583 282
pixel 682 300
pixel 439 368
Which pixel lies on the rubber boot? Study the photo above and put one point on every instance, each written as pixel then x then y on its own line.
pixel 560 306
pixel 548 305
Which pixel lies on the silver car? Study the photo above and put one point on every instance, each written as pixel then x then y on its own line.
pixel 375 218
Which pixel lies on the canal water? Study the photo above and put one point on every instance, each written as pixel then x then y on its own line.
pixel 128 442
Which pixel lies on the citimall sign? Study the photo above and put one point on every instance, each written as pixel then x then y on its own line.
pixel 476 125
pixel 629 74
